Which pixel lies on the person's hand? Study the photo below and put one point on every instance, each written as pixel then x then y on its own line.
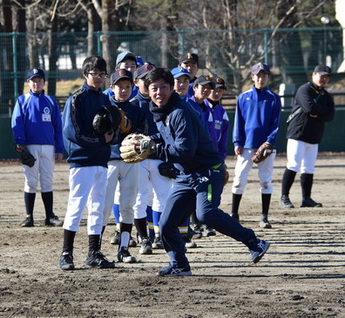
pixel 238 150
pixel 58 157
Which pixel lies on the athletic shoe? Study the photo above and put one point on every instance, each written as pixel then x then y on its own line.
pixel 132 243
pixel 115 240
pixel 259 251
pixel 173 270
pixel 210 231
pixel 28 222
pixel 146 246
pixel 53 221
pixel 157 243
pixel 66 261
pixel 310 203
pixel 124 256
pixel 188 242
pixel 235 216
pixel 98 260
pixel 264 223
pixel 285 202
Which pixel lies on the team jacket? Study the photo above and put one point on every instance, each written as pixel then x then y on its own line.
pixel 84 148
pixel 182 139
pixel 312 101
pixel 36 119
pixel 136 116
pixel 257 118
pixel 218 126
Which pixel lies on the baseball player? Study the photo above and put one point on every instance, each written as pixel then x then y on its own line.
pixel 257 120
pixel 119 172
pixel 313 107
pixel 88 155
pixel 183 141
pixel 36 125
pixel 153 187
pixel 190 62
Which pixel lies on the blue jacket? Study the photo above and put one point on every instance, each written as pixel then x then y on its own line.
pixel 36 119
pixel 182 138
pixel 84 148
pixel 257 118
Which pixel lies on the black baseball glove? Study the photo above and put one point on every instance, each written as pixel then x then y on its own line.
pixel 25 156
pixel 107 119
pixel 167 169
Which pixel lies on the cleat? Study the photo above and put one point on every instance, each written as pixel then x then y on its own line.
pixel 259 251
pixel 173 270
pixel 66 261
pixel 157 243
pixel 235 216
pixel 132 243
pixel 98 260
pixel 210 231
pixel 28 222
pixel 146 246
pixel 285 202
pixel 115 240
pixel 264 223
pixel 310 203
pixel 195 232
pixel 188 242
pixel 53 221
pixel 124 256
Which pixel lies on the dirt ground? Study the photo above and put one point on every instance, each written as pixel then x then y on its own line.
pixel 302 275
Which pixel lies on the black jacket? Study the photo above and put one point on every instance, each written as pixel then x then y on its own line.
pixel 312 101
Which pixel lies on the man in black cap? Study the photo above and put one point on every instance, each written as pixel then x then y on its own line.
pixel 313 107
pixel 190 61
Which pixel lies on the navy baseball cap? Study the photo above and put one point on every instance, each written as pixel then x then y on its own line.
pixel 189 57
pixel 219 82
pixel 143 70
pixel 125 55
pixel 180 71
pixel 204 80
pixel 140 61
pixel 120 74
pixel 258 67
pixel 35 72
pixel 323 70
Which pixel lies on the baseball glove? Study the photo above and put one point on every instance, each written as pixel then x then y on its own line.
pixel 167 169
pixel 25 156
pixel 136 147
pixel 265 150
pixel 107 119
pixel 125 123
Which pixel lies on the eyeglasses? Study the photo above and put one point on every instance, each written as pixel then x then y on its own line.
pixel 101 75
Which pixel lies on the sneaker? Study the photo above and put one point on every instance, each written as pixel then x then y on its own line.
pixel 132 243
pixel 157 243
pixel 115 240
pixel 146 246
pixel 28 222
pixel 66 261
pixel 209 231
pixel 188 242
pixel 285 202
pixel 195 232
pixel 259 251
pixel 98 260
pixel 124 256
pixel 235 216
pixel 264 223
pixel 310 203
pixel 173 270
pixel 53 221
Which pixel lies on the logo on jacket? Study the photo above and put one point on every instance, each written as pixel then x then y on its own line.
pixel 46 117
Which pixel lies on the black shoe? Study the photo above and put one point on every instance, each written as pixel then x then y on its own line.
pixel 132 242
pixel 115 240
pixel 66 261
pixel 157 243
pixel 146 246
pixel 28 222
pixel 53 221
pixel 98 260
pixel 264 223
pixel 235 216
pixel 196 232
pixel 173 270
pixel 285 202
pixel 259 251
pixel 124 256
pixel 310 203
pixel 210 231
pixel 188 242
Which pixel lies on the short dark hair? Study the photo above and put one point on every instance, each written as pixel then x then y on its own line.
pixel 94 62
pixel 159 73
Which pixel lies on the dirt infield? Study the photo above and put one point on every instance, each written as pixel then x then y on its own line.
pixel 302 275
